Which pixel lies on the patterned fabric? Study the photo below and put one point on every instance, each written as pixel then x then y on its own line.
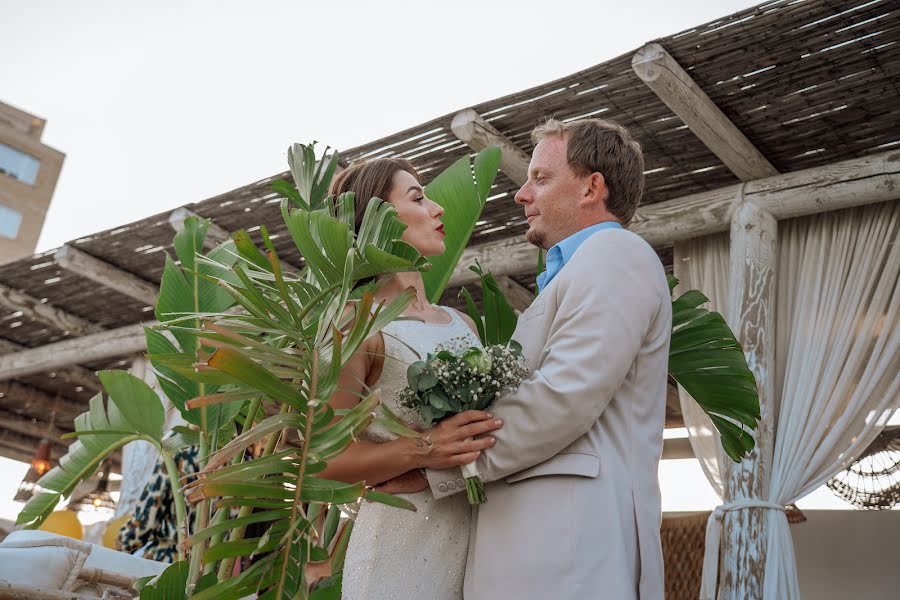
pixel 153 524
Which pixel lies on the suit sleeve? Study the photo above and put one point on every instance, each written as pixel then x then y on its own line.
pixel 608 298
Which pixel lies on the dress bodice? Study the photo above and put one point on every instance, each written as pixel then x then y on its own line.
pixel 405 342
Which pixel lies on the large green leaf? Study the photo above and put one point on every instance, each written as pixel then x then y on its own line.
pixel 499 320
pixel 137 402
pixel 462 192
pixel 708 362
pixel 140 419
pixel 312 177
pixel 171 584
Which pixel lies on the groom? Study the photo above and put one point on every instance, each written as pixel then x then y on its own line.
pixel 573 506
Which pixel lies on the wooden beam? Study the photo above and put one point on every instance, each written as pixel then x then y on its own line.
pixel 751 315
pixel 99 346
pixel 74 374
pixel 855 182
pixel 503 257
pixel 35 310
pixel 215 235
pixel 518 295
pixel 471 128
pixel 98 271
pixel 680 92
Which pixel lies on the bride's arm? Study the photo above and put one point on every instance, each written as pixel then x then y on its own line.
pixel 452 442
pixel 371 462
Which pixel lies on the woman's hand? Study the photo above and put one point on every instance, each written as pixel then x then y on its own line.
pixel 453 441
pixel 408 483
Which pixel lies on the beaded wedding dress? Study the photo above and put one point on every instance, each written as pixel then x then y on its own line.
pixel 396 553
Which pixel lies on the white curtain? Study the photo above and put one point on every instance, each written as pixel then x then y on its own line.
pixel 837 355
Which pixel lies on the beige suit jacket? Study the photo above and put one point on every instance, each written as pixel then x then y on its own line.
pixel 573 507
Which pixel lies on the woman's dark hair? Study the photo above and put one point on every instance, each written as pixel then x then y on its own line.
pixel 370 179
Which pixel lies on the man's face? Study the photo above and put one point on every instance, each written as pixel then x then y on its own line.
pixel 550 195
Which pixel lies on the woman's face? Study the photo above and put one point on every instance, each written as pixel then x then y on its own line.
pixel 422 217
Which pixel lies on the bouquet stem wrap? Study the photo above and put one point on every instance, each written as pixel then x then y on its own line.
pixel 474 485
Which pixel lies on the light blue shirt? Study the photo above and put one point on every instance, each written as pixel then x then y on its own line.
pixel 561 253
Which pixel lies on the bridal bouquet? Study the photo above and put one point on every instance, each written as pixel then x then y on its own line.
pixel 451 382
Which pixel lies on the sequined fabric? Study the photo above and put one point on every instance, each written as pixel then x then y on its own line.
pixel 395 553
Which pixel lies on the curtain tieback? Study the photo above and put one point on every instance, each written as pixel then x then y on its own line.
pixel 710 576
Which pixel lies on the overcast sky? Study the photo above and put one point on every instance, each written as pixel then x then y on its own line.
pixel 159 104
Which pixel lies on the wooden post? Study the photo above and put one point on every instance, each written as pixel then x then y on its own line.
pixel 751 315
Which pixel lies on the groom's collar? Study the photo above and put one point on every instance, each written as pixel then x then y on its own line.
pixel 561 253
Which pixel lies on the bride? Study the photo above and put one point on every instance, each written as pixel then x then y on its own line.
pixel 394 553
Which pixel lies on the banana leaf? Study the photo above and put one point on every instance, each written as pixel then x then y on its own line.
pixel 462 191
pixel 134 412
pixel 499 320
pixel 708 362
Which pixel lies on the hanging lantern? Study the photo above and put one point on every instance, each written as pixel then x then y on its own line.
pixel 40 464
pixel 98 500
pixel 41 461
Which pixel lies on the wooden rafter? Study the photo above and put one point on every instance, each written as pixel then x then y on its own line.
pixel 215 235
pixel 35 310
pixel 107 275
pixel 855 182
pixel 123 341
pixel 471 128
pixel 74 374
pixel 675 87
pixel 15 395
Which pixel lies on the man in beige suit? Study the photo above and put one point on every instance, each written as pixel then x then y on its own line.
pixel 573 506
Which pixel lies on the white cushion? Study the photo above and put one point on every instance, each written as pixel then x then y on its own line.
pixel 113 561
pixel 98 557
pixel 51 563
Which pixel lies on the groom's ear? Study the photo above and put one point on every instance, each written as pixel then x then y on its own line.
pixel 596 192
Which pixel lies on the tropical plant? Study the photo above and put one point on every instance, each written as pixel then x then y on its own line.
pixel 249 350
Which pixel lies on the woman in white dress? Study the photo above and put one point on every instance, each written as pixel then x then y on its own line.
pixel 395 553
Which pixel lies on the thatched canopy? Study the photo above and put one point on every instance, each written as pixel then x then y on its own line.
pixel 809 84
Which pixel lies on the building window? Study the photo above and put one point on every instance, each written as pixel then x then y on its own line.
pixel 16 163
pixel 10 221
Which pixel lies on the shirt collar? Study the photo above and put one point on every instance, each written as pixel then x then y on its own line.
pixel 562 252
